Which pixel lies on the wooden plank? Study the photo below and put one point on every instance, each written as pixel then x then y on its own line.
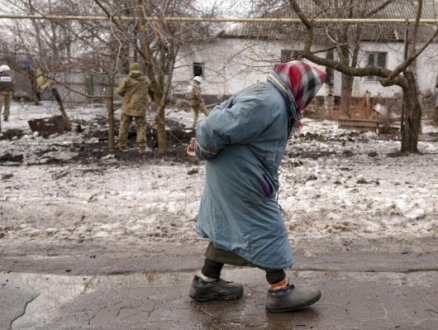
pixel 358 124
pixel 363 124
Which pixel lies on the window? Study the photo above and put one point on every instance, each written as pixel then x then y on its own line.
pixel 198 69
pixel 289 55
pixel 377 59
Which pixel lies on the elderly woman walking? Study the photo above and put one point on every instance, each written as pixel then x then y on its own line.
pixel 243 141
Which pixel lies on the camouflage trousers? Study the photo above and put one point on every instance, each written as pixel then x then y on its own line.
pixel 5 101
pixel 140 128
pixel 196 109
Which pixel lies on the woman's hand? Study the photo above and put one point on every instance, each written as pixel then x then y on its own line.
pixel 191 148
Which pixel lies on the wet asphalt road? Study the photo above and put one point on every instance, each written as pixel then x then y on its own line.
pixel 365 284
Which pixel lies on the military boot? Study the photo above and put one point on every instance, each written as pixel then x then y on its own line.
pixel 216 290
pixel 291 299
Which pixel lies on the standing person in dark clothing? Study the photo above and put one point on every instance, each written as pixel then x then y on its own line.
pixel 243 141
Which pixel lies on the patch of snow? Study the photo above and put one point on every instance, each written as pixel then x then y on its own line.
pixel 336 185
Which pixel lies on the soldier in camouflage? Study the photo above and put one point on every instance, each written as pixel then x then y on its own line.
pixel 7 84
pixel 194 96
pixel 134 90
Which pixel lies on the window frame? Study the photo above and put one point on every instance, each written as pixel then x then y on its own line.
pixel 375 61
pixel 196 66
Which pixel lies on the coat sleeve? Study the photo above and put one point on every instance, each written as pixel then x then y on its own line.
pixel 236 121
pixel 121 90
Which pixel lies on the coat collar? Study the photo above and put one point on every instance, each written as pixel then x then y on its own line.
pixel 284 89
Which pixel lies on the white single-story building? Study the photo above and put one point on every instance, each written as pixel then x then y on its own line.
pixel 244 54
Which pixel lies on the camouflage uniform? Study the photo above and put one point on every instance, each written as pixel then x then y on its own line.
pixel 196 101
pixel 134 90
pixel 7 84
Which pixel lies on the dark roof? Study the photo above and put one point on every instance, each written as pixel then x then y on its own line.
pixel 406 9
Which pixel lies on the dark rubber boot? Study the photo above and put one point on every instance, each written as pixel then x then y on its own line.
pixel 291 299
pixel 216 290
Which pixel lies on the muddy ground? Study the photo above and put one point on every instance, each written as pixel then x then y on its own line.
pixel 91 152
pixel 333 183
pixel 178 138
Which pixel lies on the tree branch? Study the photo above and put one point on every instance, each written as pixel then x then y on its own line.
pixel 117 24
pixel 413 44
pixel 403 66
pixel 341 67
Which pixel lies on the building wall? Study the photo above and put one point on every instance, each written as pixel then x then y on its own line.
pixel 426 70
pixel 72 87
pixel 233 64
pixel 230 65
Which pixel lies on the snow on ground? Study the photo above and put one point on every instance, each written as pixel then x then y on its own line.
pixel 334 183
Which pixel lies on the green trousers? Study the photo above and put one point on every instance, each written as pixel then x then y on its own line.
pixel 140 128
pixel 5 101
pixel 226 257
pixel 196 109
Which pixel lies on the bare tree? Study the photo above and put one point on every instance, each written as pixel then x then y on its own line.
pixel 110 46
pixel 156 43
pixel 401 76
pixel 54 45
pixel 347 37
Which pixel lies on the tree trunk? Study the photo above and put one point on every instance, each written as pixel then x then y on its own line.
pixel 346 80
pixel 110 109
pixel 412 116
pixel 34 88
pixel 110 104
pixel 161 130
pixel 346 90
pixel 160 118
pixel 67 122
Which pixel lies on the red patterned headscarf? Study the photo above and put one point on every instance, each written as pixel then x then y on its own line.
pixel 303 80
